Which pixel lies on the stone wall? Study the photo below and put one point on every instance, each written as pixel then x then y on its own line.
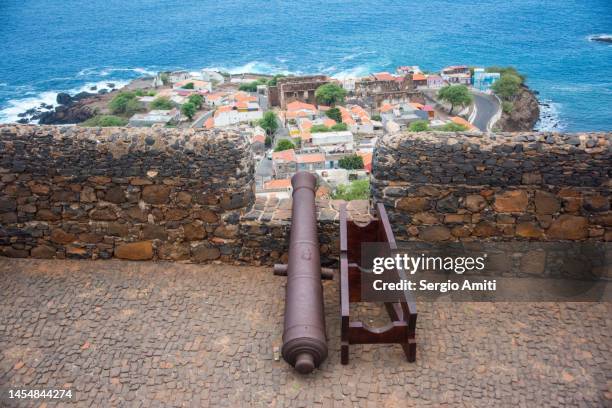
pixel 70 192
pixel 468 187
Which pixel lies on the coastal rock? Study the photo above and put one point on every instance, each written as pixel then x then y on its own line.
pixel 63 98
pixel 525 113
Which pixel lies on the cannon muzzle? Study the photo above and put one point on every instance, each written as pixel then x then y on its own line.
pixel 304 340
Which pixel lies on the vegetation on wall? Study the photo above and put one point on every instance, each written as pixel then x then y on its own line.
pixel 105 121
pixel 284 144
pixel 352 162
pixel 356 190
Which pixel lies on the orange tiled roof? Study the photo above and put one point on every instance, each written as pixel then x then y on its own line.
pixel 386 107
pixel 305 124
pixel 276 184
pixel 311 158
pixel 329 122
pixel 210 123
pixel 285 155
pixel 259 138
pixel 418 77
pixel 384 76
pixel 299 105
pixel 367 160
pixel 306 135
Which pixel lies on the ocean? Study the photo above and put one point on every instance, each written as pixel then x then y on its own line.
pixel 69 45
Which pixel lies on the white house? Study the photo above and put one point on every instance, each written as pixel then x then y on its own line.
pixel 242 112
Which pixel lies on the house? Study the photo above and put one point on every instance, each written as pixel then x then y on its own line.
pixel 333 141
pixel 239 112
pixel 258 141
pixel 284 163
pixel 177 76
pixel 298 109
pixel 435 81
pixel 357 119
pixel 155 117
pixel 145 101
pixel 215 99
pixel 398 117
pixel 367 160
pixel 310 161
pixel 419 80
pixel 408 70
pixel 385 76
pixel 295 88
pixel 198 85
pixel 484 80
pixel 457 74
pixel 278 185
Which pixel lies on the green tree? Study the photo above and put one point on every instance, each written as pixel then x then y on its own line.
pixel 188 109
pixel 274 80
pixel 419 126
pixel 284 144
pixel 162 103
pixel 339 127
pixel 124 103
pixel 507 106
pixel 188 85
pixel 507 86
pixel 105 121
pixel 376 118
pixel 335 114
pixel 451 127
pixel 196 99
pixel 356 190
pixel 330 94
pixel 269 122
pixel 268 141
pixel 456 95
pixel 351 162
pixel 164 78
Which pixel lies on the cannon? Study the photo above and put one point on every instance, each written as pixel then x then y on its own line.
pixel 304 339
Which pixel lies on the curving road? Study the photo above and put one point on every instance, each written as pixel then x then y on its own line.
pixel 487 106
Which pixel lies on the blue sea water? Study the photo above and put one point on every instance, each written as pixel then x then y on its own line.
pixel 69 45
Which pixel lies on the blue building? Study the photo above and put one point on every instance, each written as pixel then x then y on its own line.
pixel 482 80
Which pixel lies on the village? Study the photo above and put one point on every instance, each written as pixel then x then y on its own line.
pixel 315 123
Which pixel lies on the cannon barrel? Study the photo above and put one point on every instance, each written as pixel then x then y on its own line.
pixel 304 341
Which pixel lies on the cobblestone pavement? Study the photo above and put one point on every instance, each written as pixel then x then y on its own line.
pixel 169 335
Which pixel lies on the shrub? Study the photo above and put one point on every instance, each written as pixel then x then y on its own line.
pixel 124 103
pixel 162 103
pixel 105 121
pixel 356 190
pixel 419 126
pixel 319 128
pixel 507 107
pixel 507 70
pixel 335 114
pixel 188 85
pixel 451 127
pixel 351 162
pixel 339 127
pixel 164 78
pixel 284 144
pixel 376 118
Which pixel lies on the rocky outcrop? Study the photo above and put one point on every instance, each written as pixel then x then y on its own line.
pixel 524 115
pixel 61 115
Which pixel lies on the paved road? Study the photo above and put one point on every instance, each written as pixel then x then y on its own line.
pixel 487 106
pixel 157 334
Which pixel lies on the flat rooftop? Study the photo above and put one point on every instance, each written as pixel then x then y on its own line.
pixel 171 334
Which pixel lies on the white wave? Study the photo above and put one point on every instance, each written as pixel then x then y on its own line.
pixel 104 72
pixel 254 67
pixel 19 105
pixel 355 72
pixel 550 118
